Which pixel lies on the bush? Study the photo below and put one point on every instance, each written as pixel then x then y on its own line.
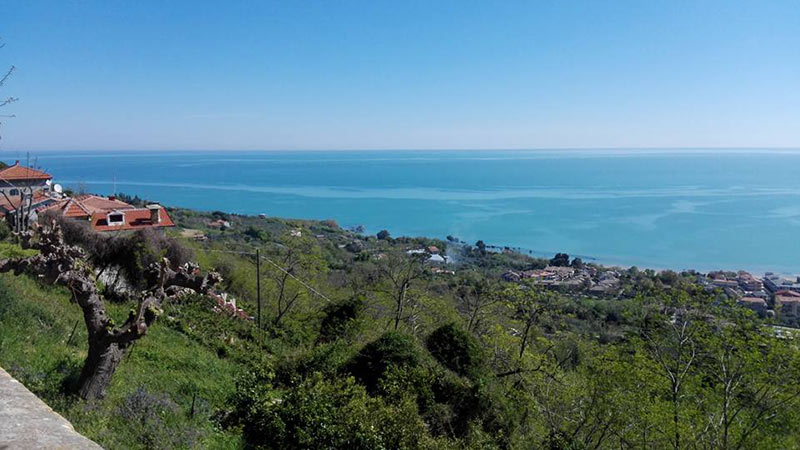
pixel 372 363
pixel 456 349
pixel 326 359
pixel 155 419
pixel 5 231
pixel 322 414
pixel 342 319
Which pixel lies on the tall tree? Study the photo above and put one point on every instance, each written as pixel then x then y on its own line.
pixel 296 259
pixel 475 296
pixel 400 271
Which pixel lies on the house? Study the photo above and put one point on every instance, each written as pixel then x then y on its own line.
pixel 219 223
pixel 151 216
pixel 110 213
pixel 512 277
pixel 748 282
pixel 776 283
pixel 788 303
pixel 606 283
pixel 560 272
pixel 437 259
pixel 84 206
pixel 757 304
pixel 433 250
pixel 17 179
pixel 10 203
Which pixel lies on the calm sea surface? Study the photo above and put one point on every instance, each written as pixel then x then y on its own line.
pixel 660 209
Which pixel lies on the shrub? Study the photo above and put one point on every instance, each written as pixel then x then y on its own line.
pixel 456 349
pixel 342 319
pixel 255 233
pixel 393 349
pixel 5 231
pixel 325 414
pixel 326 359
pixel 155 418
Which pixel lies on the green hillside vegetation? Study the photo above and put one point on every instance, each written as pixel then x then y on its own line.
pixel 386 353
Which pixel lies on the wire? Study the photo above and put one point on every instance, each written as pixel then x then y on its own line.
pixel 306 285
pixel 297 279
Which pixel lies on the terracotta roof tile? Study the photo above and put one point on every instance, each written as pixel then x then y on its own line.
pixel 17 172
pixel 135 219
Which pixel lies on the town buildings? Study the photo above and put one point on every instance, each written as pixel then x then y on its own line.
pixel 775 283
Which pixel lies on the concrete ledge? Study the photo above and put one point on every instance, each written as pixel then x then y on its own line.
pixel 28 423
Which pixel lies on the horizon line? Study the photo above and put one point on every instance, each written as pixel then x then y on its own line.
pixel 416 149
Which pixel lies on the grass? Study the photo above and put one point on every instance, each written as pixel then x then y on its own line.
pixel 150 399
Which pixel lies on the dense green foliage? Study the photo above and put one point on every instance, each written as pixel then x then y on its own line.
pixel 386 352
pixel 456 349
pixel 373 362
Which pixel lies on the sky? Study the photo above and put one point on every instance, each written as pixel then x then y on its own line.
pixel 240 75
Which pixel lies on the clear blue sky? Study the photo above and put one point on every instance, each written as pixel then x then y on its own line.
pixel 400 74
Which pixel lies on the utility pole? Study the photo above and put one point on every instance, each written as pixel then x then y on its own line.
pixel 258 284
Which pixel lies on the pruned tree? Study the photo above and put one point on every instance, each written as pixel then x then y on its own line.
pixel 20 216
pixel 7 100
pixel 65 265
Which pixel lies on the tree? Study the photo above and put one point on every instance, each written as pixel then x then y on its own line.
pixel 528 304
pixel 671 342
pixel 456 349
pixel 401 271
pixel 297 258
pixel 383 235
pixel 65 265
pixel 750 376
pixel 560 260
pixel 392 349
pixel 342 319
pixel 475 296
pixel 22 210
pixel 8 100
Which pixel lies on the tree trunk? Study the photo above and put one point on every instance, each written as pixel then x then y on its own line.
pixel 62 264
pixel 99 367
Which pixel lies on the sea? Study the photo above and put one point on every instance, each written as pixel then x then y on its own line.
pixel 726 209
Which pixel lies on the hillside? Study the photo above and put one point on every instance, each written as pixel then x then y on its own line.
pixel 369 343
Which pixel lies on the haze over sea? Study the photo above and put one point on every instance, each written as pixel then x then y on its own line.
pixel 701 209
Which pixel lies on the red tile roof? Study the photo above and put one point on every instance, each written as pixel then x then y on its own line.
pixel 135 219
pixel 84 206
pixel 786 293
pixel 753 300
pixel 38 197
pixel 17 172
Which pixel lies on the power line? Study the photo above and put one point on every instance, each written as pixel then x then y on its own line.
pixel 277 266
pixel 297 279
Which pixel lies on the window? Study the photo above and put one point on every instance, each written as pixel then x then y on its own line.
pixel 116 219
pixel 13 192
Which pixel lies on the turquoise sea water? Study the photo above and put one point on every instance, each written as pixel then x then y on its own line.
pixel 662 209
